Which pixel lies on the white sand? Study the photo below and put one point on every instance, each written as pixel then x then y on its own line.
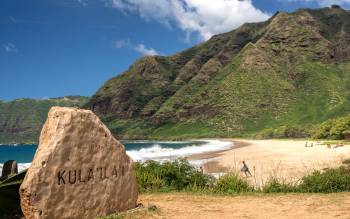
pixel 284 159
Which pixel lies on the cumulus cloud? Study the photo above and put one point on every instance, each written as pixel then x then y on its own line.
pixel 140 48
pixel 205 17
pixel 145 51
pixel 9 47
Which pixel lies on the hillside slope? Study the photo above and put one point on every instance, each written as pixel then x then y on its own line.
pixel 21 120
pixel 290 70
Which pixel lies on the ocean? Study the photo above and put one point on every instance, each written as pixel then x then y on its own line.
pixel 137 150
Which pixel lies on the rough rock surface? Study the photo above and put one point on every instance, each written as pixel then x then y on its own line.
pixel 9 168
pixel 79 170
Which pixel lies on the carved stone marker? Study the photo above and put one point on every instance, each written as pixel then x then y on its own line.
pixel 9 168
pixel 79 170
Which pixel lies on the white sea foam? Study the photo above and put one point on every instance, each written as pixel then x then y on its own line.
pixel 159 142
pixel 156 152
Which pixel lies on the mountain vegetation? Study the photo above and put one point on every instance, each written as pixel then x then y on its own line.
pixel 338 128
pixel 288 73
pixel 21 120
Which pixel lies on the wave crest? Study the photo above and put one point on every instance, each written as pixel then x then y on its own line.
pixel 157 152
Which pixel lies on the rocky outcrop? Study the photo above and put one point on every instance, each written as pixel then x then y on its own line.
pixel 9 168
pixel 79 170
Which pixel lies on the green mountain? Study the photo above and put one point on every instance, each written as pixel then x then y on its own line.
pixel 292 70
pixel 21 120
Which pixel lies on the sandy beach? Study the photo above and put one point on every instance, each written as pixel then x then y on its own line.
pixel 287 160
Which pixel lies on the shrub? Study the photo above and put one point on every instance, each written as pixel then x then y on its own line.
pixel 275 186
pixel 333 129
pixel 331 180
pixel 176 175
pixel 288 131
pixel 179 175
pixel 231 183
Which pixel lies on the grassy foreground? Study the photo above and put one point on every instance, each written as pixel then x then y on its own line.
pixel 179 190
pixel 179 175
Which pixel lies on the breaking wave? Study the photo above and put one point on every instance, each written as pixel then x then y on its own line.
pixel 159 153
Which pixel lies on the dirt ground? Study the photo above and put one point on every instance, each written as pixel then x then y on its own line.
pixel 299 206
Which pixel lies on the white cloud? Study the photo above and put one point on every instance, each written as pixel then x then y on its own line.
pixel 121 43
pixel 206 17
pixel 140 48
pixel 145 51
pixel 9 47
pixel 83 3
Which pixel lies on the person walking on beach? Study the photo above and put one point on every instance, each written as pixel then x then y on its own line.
pixel 245 169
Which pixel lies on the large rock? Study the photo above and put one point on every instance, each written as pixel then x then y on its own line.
pixel 79 170
pixel 9 168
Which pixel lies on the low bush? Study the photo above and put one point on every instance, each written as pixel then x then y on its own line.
pixel 231 183
pixel 330 180
pixel 333 129
pixel 177 175
pixel 287 131
pixel 327 181
pixel 276 186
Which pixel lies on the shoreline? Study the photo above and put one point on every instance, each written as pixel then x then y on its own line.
pixel 279 158
pixel 212 165
pixel 212 154
pixel 286 159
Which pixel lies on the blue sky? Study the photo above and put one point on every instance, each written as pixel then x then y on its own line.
pixel 52 48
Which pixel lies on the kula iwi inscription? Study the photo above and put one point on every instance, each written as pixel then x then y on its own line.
pixel 74 176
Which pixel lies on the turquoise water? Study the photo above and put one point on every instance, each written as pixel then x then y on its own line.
pixel 20 153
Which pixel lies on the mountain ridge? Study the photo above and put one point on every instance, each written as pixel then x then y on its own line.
pixel 289 70
pixel 21 120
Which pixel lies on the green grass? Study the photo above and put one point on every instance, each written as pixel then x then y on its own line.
pixel 183 131
pixel 231 183
pixel 180 176
pixel 169 176
pixel 138 129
